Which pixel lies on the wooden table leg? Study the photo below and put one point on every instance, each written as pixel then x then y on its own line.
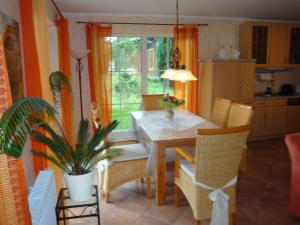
pixel 161 181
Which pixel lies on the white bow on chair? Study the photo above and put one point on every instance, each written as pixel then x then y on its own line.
pixel 220 202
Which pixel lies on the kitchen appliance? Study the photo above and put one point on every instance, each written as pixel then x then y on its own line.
pixel 287 89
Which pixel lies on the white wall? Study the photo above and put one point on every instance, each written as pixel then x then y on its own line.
pixel 11 8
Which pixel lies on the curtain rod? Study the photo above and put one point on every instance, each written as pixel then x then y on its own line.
pixel 159 24
pixel 57 9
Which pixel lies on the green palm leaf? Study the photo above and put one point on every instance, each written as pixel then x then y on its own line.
pixel 19 120
pixel 52 159
pixel 101 134
pixel 57 81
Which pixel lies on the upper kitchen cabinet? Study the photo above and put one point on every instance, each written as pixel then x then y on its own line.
pixel 278 45
pixel 267 43
pixel 254 42
pixel 294 45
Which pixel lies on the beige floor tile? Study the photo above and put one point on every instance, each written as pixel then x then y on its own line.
pixel 167 213
pixel 119 216
pixel 145 220
pixel 137 203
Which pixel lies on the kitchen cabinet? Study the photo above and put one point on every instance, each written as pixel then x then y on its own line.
pixel 258 122
pixel 254 41
pixel 275 120
pixel 294 45
pixel 232 80
pixel 271 44
pixel 293 119
pixel 278 45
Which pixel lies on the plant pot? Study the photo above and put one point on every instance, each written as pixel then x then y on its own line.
pixel 169 114
pixel 80 187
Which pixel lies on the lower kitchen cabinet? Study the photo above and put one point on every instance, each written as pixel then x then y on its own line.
pixel 293 119
pixel 275 122
pixel 258 123
pixel 274 118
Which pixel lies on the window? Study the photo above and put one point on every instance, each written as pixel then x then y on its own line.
pixel 137 63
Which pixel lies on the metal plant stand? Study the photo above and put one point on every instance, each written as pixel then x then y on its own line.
pixel 65 208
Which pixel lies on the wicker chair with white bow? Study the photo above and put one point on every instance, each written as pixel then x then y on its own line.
pixel 208 180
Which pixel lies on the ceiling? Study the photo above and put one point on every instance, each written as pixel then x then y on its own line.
pixel 256 9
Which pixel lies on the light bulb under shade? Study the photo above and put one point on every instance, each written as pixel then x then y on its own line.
pixel 183 75
pixel 80 54
pixel 168 74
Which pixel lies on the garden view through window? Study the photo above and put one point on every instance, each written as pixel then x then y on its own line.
pixel 137 63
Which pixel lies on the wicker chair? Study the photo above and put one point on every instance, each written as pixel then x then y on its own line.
pixel 240 115
pixel 220 111
pixel 216 161
pixel 129 166
pixel 152 102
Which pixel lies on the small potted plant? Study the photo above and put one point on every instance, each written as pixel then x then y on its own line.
pixel 170 102
pixel 36 117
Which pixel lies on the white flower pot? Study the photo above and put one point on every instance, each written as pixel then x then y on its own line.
pixel 80 187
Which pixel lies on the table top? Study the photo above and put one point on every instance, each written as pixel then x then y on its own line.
pixel 158 128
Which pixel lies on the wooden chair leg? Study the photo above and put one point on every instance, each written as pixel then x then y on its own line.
pixel 106 198
pixel 198 222
pixel 148 187
pixel 142 180
pixel 177 195
pixel 233 219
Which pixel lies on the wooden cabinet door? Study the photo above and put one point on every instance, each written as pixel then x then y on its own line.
pixel 247 80
pixel 227 80
pixel 293 119
pixel 278 44
pixel 275 121
pixel 294 45
pixel 258 122
pixel 260 43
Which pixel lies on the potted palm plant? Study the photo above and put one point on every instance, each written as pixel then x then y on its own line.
pixel 36 117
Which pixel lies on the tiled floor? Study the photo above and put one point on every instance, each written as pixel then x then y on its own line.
pixel 262 195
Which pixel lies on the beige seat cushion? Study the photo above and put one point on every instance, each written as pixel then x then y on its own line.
pixel 131 152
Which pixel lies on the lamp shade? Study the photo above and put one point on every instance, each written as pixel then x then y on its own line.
pixel 168 74
pixel 80 53
pixel 183 75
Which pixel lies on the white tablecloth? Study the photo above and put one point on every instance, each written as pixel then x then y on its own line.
pixel 153 126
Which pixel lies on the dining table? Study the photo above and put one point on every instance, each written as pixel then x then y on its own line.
pixel 158 133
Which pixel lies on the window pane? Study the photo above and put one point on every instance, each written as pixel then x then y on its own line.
pixel 125 114
pixel 126 78
pixel 130 88
pixel 159 58
pixel 126 54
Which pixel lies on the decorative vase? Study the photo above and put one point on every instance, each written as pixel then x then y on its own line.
pixel 170 114
pixel 80 187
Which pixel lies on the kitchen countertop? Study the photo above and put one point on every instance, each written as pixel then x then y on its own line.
pixel 274 96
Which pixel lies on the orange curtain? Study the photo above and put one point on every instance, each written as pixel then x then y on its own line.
pixel 187 37
pixel 13 193
pixel 64 66
pixel 99 61
pixel 32 69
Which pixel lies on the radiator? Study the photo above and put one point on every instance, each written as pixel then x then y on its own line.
pixel 42 199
